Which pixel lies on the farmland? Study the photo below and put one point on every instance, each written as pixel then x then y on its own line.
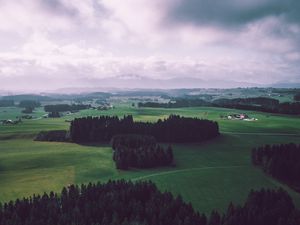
pixel 209 174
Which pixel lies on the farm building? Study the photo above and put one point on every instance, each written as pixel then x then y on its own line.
pixel 240 116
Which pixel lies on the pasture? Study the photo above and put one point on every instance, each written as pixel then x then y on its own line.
pixel 209 175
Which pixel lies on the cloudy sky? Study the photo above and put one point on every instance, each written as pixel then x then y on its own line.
pixel 50 44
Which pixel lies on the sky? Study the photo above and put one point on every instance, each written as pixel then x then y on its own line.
pixel 53 44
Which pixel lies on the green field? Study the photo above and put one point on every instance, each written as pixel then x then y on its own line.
pixel 209 175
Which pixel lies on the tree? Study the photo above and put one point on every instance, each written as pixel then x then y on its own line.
pixel 173 129
pixel 280 161
pixel 114 202
pixel 140 151
pixel 297 97
pixel 6 103
pixel 29 104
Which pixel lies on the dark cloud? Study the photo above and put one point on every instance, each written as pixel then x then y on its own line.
pixel 233 12
pixel 57 7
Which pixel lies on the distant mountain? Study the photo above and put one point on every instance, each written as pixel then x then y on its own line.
pixel 132 81
pixel 286 85
pixel 135 81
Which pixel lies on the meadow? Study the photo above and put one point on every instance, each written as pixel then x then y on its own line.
pixel 209 175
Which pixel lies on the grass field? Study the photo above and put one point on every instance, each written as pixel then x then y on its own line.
pixel 209 175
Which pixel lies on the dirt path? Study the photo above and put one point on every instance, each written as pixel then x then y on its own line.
pixel 39 118
pixel 265 134
pixel 186 170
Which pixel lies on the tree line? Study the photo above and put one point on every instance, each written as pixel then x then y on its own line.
pixel 6 103
pixel 22 103
pixel 123 203
pixel 65 107
pixel 53 135
pixel 280 161
pixel 269 103
pixel 264 207
pixel 176 103
pixel 297 97
pixel 139 151
pixel 172 129
pixel 222 102
pixel 262 104
pixel 29 105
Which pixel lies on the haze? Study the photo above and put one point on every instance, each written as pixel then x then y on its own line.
pixel 53 44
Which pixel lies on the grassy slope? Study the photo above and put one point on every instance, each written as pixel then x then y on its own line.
pixel 209 175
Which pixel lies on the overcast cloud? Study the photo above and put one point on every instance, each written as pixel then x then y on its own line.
pixel 49 44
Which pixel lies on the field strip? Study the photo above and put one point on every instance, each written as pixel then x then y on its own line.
pixel 186 170
pixel 266 134
pixel 39 118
